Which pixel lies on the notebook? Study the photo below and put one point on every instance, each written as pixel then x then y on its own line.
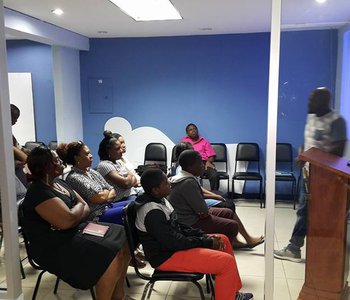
pixel 95 229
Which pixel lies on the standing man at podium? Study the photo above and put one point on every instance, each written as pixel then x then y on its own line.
pixel 325 130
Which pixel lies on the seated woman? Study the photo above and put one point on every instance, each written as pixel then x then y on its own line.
pixel 124 159
pixel 90 184
pixel 53 216
pixel 114 170
pixel 171 246
pixel 216 200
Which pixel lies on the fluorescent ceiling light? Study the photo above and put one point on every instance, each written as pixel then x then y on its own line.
pixel 57 11
pixel 148 10
pixel 321 1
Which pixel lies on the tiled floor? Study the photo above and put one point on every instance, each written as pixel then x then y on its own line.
pixel 289 276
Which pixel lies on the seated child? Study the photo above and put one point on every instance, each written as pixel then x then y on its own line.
pixel 188 201
pixel 216 200
pixel 171 246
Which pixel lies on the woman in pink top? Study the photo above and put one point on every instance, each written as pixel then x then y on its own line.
pixel 201 145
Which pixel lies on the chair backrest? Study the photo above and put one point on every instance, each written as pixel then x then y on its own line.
pixel 53 145
pixel 30 145
pixel 221 156
pixel 156 152
pixel 221 152
pixel 27 243
pixel 129 218
pixel 284 152
pixel 247 152
pixel 173 155
pixel 284 156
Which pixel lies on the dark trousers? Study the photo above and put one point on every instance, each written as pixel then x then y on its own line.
pixel 299 231
pixel 213 177
pixel 219 220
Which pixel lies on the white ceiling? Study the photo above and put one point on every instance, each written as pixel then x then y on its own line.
pixel 88 17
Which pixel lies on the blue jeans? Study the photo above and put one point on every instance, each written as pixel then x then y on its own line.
pixel 114 214
pixel 299 232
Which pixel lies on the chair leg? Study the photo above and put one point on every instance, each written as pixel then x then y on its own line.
pixel 22 270
pixel 293 193
pixel 37 284
pixel 207 284
pixel 210 285
pixel 56 285
pixel 228 187
pixel 150 290
pixel 145 290
pixel 260 194
pixel 92 294
pixel 233 188
pixel 199 288
pixel 127 281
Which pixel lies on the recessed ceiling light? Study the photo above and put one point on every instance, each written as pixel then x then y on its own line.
pixel 102 32
pixel 57 11
pixel 148 10
pixel 321 1
pixel 206 28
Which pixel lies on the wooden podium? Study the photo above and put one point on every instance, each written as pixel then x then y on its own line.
pixel 327 260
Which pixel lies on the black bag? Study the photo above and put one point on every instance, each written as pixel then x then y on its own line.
pixel 141 168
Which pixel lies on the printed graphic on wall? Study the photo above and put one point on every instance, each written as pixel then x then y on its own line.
pixel 137 139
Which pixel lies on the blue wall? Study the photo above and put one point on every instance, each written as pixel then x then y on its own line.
pixel 218 82
pixel 36 58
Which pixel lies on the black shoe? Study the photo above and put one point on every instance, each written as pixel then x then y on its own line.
pixel 244 296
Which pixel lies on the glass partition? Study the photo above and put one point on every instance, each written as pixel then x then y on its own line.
pixel 313 50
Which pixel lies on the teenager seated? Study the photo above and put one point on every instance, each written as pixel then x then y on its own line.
pixel 187 197
pixel 90 184
pixel 53 220
pixel 171 246
pixel 113 169
pixel 216 200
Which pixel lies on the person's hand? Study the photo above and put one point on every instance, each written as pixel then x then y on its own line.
pixel 202 215
pixel 218 244
pixel 209 164
pixel 299 163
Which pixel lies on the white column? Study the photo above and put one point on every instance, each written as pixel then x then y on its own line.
pixel 271 147
pixel 7 179
pixel 66 75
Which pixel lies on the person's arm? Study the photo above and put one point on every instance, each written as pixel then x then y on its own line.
pixel 20 156
pixel 91 190
pixel 209 163
pixel 159 228
pixel 57 213
pixel 124 182
pixel 192 194
pixel 210 195
pixel 210 152
pixel 338 136
pixel 86 211
pixel 103 196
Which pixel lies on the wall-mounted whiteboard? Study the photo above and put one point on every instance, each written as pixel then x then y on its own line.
pixel 21 95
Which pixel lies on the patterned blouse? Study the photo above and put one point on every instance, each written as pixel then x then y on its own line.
pixel 105 167
pixel 87 186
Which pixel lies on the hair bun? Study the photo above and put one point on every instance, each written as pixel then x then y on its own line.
pixel 108 134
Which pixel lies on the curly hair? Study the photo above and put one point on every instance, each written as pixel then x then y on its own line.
pixel 66 152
